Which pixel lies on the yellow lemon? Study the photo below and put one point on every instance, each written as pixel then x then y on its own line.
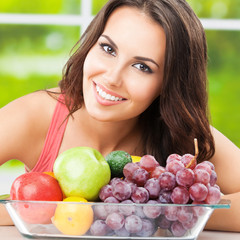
pixel 136 158
pixel 73 218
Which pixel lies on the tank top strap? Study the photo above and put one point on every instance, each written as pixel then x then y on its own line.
pixel 54 138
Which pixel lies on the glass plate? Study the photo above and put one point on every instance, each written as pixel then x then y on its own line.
pixel 43 219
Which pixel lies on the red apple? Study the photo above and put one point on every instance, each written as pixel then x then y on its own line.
pixel 36 186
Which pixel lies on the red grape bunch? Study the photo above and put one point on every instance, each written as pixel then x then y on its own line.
pixel 182 181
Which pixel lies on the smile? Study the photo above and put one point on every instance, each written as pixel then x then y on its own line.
pixel 107 96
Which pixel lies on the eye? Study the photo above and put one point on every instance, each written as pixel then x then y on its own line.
pixel 143 67
pixel 108 49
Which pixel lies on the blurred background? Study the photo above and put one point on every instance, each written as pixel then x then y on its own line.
pixel 36 37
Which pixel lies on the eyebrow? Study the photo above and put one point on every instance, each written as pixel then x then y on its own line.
pixel 137 57
pixel 110 40
pixel 146 59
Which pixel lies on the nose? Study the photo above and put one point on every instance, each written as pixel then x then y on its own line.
pixel 114 75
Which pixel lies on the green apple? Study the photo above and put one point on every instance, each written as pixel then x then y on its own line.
pixel 82 171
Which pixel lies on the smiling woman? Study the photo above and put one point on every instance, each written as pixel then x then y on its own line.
pixel 136 82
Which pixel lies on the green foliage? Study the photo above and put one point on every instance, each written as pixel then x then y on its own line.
pixel 223 48
pixel 38 39
pixel 40 6
pixel 97 4
pixel 216 8
pixel 224 84
pixel 12 87
pixel 224 101
pixel 29 6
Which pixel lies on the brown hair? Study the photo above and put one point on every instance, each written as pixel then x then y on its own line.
pixel 180 113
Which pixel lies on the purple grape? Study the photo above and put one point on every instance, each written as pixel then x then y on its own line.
pixel 111 200
pixel 153 187
pixel 180 195
pixel 111 207
pixel 174 166
pixel 172 157
pixel 115 220
pixel 205 166
pixel 127 210
pixel 131 184
pixel 213 178
pixel 185 177
pixel 177 229
pixel 184 214
pixel 198 192
pixel 201 176
pixel 99 228
pixel 115 180
pixel 105 192
pixel 147 230
pixel 133 224
pixel 140 195
pixel 148 162
pixel 152 211
pixel 216 186
pixel 122 232
pixel 121 191
pixel 213 196
pixel 139 212
pixel 165 197
pixel 163 222
pixel 210 164
pixel 190 224
pixel 140 177
pixel 167 181
pixel 100 211
pixel 129 170
pixel 156 173
pixel 198 210
pixel 171 212
pixel 187 158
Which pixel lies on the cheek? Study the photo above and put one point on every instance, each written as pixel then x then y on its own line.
pixel 91 62
pixel 146 93
pixel 87 65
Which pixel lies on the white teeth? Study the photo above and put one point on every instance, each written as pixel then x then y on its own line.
pixel 112 98
pixel 106 95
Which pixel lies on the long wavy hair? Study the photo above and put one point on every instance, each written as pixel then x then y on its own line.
pixel 180 113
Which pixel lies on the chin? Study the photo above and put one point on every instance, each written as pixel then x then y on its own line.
pixel 102 117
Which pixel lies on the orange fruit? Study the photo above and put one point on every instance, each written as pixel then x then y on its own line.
pixel 73 218
pixel 50 173
pixel 136 158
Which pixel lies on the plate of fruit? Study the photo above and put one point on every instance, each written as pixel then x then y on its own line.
pixel 120 196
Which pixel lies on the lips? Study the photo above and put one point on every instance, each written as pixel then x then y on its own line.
pixel 107 95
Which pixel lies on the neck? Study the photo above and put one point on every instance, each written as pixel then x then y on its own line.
pixel 110 136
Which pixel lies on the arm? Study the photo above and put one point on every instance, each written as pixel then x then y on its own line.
pixel 5 219
pixel 227 165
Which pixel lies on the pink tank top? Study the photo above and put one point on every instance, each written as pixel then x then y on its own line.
pixel 54 138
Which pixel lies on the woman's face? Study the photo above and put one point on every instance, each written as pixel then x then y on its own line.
pixel 123 71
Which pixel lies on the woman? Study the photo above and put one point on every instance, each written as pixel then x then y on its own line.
pixel 137 83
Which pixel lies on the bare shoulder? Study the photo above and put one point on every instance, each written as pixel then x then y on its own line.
pixel 23 126
pixel 227 162
pixel 33 100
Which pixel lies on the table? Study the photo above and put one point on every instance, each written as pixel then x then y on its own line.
pixel 11 233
